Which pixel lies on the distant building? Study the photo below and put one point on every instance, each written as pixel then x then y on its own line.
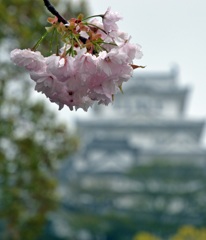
pixel 144 123
pixel 144 132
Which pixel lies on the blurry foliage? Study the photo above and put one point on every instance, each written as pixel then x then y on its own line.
pixel 25 21
pixel 184 233
pixel 32 141
pixel 145 236
pixel 190 233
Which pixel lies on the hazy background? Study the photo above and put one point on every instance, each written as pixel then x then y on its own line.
pixel 170 32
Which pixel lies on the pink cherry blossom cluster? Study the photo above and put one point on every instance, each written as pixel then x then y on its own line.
pixel 91 66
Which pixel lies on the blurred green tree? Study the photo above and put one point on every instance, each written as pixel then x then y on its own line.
pixel 32 141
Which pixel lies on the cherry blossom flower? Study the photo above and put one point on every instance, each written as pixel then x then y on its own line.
pixel 32 61
pixel 109 20
pixel 94 62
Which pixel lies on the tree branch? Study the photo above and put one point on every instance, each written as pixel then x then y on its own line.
pixel 54 12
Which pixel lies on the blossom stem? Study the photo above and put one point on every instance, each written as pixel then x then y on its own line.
pixel 39 41
pixel 72 46
pixel 54 12
pixel 80 45
pixel 98 48
pixel 52 39
pixel 93 25
pixel 110 43
pixel 57 43
pixel 98 15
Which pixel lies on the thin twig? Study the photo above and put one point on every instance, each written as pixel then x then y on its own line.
pixel 54 12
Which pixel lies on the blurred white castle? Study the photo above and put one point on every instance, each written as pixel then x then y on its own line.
pixel 146 122
pixel 141 157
